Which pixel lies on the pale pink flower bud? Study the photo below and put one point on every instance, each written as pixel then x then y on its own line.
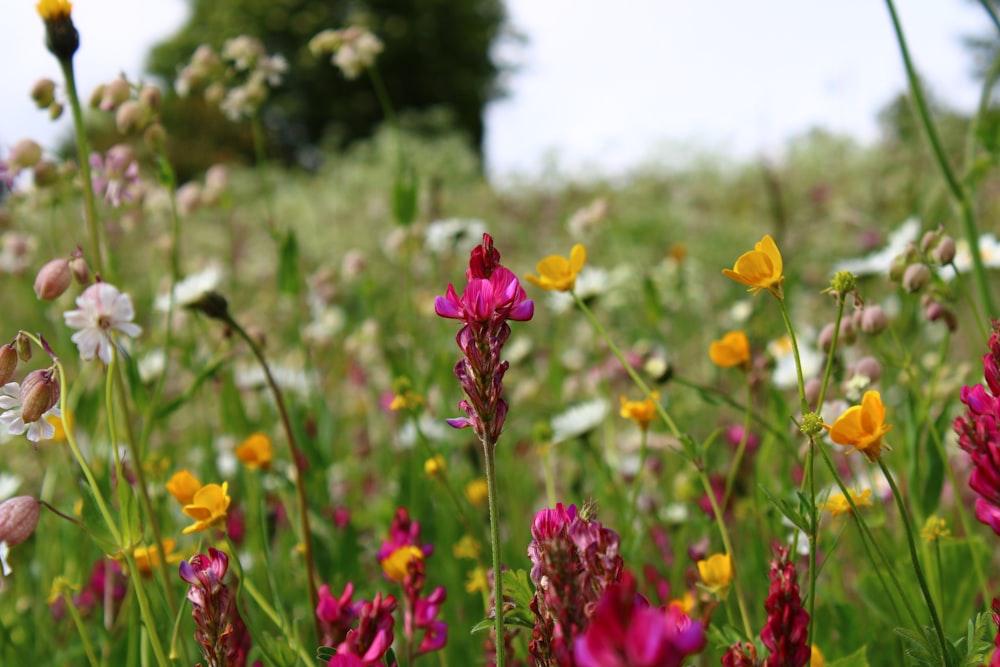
pixel 81 270
pixel 114 93
pixel 155 137
pixel 8 363
pixel 132 116
pixel 18 518
pixel 53 279
pixel 869 367
pixel 39 394
pixel 188 197
pixel 930 240
pixel 25 154
pixel 151 96
pixel 944 253
pixel 935 310
pixel 43 93
pixel 812 388
pixel 874 320
pixel 46 173
pixel 826 337
pixel 916 277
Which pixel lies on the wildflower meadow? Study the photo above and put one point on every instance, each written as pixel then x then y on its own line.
pixel 386 413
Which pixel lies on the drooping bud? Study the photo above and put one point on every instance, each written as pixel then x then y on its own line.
pixel 80 269
pixel 96 96
pixel 18 518
pixel 25 154
pixel 46 173
pixel 23 345
pixel 132 116
pixel 8 363
pixel 916 277
pixel 869 367
pixel 935 310
pixel 151 97
pixel 53 279
pixel 43 93
pixel 944 253
pixel 55 111
pixel 114 93
pixel 39 394
pixel 874 320
pixel 930 240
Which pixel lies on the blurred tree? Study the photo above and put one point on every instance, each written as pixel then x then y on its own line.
pixel 438 53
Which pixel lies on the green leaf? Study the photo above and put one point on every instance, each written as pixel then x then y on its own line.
pixel 98 528
pixel 518 588
pixel 128 509
pixel 788 510
pixel 857 659
pixel 405 192
pixel 390 658
pixel 288 264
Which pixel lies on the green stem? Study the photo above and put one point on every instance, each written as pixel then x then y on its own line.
pixel 81 629
pixel 989 10
pixel 298 460
pixel 741 449
pixel 958 192
pixel 795 351
pixel 83 157
pixel 489 450
pixel 147 615
pixel 905 518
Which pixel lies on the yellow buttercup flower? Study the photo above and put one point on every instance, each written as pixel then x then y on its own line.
pixel 396 565
pixel 467 547
pixel 716 572
pixel 759 269
pixel 208 507
pixel 147 558
pixel 256 452
pixel 555 272
pixel 641 412
pixel 434 465
pixel 477 581
pixel 816 658
pixel 837 503
pixel 60 424
pixel 477 491
pixel 54 10
pixel 733 349
pixel 862 426
pixel 183 485
pixel 934 528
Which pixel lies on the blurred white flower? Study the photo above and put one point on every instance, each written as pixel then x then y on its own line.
pixel 192 288
pixel 325 325
pixel 9 485
pixel 454 234
pixel 152 364
pixel 989 251
pixel 591 282
pixel 579 419
pixel 586 219
pixel 878 263
pixel 785 375
pixel 10 403
pixel 101 309
pixel 287 377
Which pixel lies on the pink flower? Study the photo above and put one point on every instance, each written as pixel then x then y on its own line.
pixel 336 614
pixel 625 631
pixel 101 309
pixel 116 174
pixel 219 629
pixel 372 638
pixel 786 633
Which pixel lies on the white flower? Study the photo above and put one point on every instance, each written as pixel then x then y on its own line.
pixel 446 236
pixel 785 375
pixel 10 402
pixel 4 550
pixel 8 485
pixel 591 283
pixel 192 288
pixel 152 365
pixel 579 419
pixel 586 219
pixel 101 310
pixel 989 251
pixel 878 263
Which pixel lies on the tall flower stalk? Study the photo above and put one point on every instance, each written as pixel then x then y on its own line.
pixel 492 296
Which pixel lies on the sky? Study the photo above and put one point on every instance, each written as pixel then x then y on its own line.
pixel 605 86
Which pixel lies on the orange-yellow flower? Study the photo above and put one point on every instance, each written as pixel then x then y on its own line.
pixel 716 572
pixel 555 272
pixel 733 349
pixel 183 485
pixel 435 465
pixel 641 412
pixel 837 503
pixel 208 507
pixel 477 491
pixel 759 269
pixel 256 452
pixel 862 426
pixel 54 10
pixel 396 565
pixel 60 424
pixel 816 658
pixel 147 558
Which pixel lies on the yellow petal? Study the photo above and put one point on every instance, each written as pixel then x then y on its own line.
pixel 577 257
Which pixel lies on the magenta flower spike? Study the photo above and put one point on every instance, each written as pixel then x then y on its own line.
pixel 219 630
pixel 979 435
pixel 786 632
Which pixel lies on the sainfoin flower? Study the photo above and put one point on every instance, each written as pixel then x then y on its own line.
pixel 862 426
pixel 101 310
pixel 492 296
pixel 559 273
pixel 219 630
pixel 625 631
pixel 786 631
pixel 979 435
pixel 759 269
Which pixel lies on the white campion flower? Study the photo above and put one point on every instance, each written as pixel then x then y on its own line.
pixel 191 289
pixel 11 419
pixel 101 309
pixel 879 262
pixel 579 419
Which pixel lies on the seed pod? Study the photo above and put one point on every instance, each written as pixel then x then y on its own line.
pixel 18 518
pixel 8 363
pixel 39 394
pixel 53 279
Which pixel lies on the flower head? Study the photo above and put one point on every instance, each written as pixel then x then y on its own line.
pixel 147 558
pixel 733 349
pixel 786 632
pixel 760 268
pixel 183 485
pixel 54 10
pixel 556 272
pixel 716 572
pixel 256 452
pixel 116 174
pixel 862 426
pixel 641 412
pixel 101 309
pixel 354 48
pixel 396 565
pixel 837 503
pixel 208 507
pixel 21 411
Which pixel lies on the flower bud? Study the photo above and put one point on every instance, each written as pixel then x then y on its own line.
pixel 53 279
pixel 930 240
pixel 55 111
pixel 132 116
pixel 18 518
pixel 869 367
pixel 916 277
pixel 8 363
pixel 46 173
pixel 114 93
pixel 826 337
pixel 39 394
pixel 156 138
pixel 43 93
pixel 151 96
pixel 25 154
pixel 188 198
pixel 95 97
pixel 897 268
pixel 23 345
pixel 944 253
pixel 874 320
pixel 935 310
pixel 812 389
pixel 80 269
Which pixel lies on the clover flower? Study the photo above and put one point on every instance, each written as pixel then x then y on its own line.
pixel 208 507
pixel 733 349
pixel 559 273
pixel 862 426
pixel 625 631
pixel 979 435
pixel 760 268
pixel 101 310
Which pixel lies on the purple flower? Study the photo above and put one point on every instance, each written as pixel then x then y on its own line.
pixel 625 631
pixel 219 629
pixel 372 638
pixel 786 633
pixel 336 614
pixel 116 174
